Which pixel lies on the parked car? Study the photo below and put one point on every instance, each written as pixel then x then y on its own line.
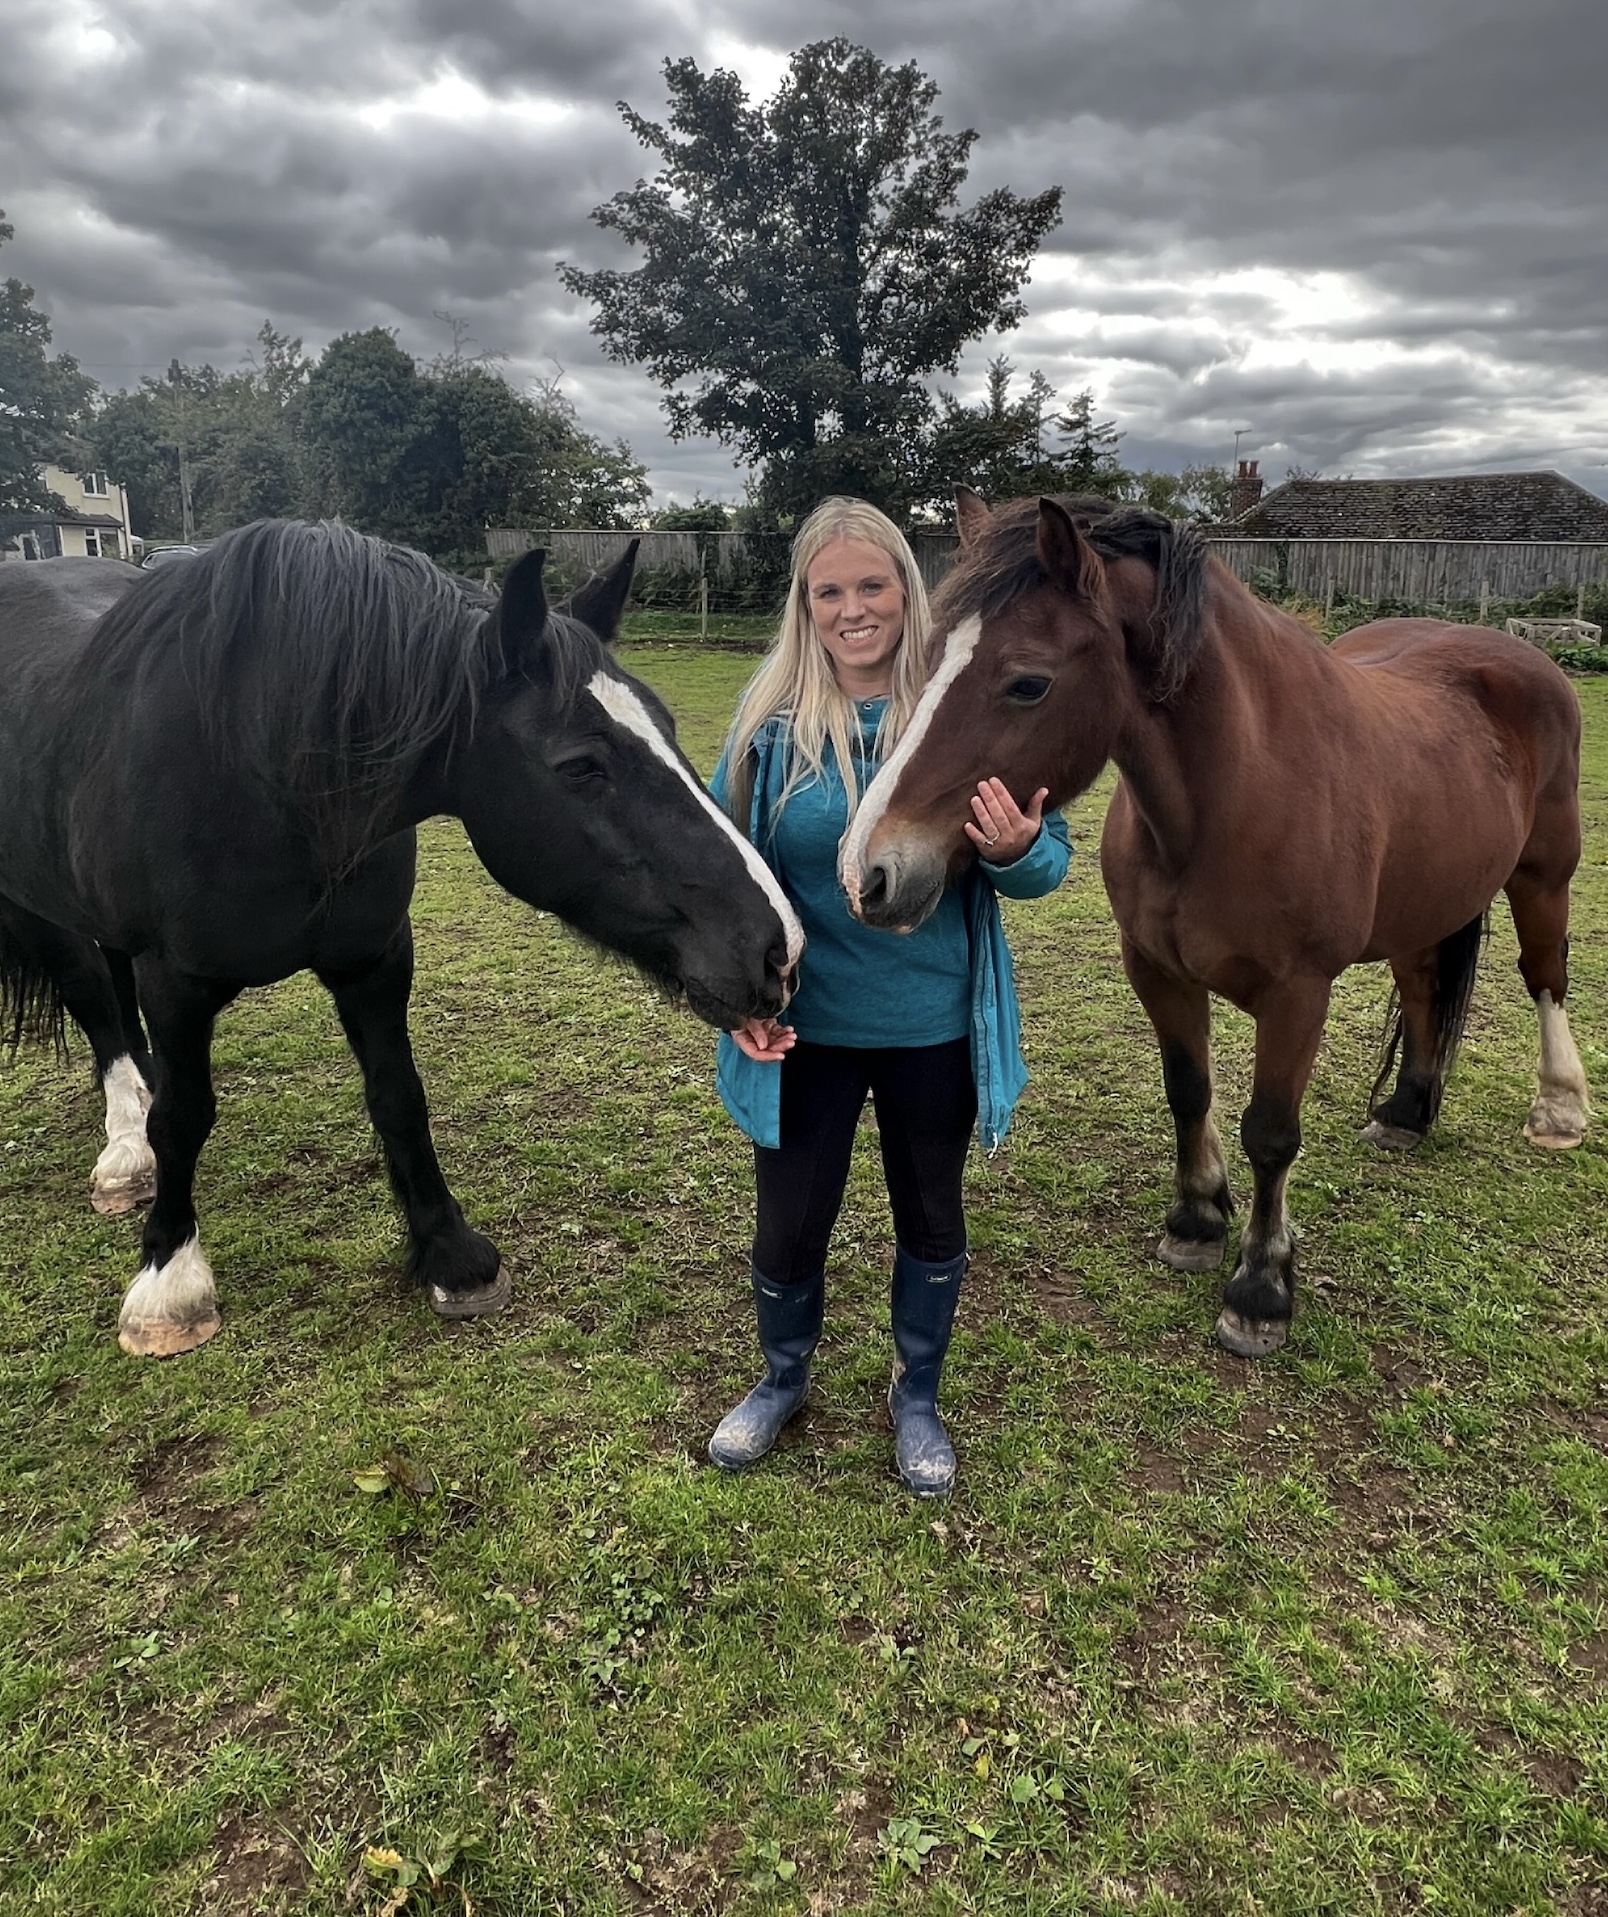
pixel 160 555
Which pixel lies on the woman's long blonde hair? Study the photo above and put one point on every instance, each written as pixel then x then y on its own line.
pixel 797 681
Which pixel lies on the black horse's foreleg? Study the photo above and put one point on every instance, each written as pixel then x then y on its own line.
pixel 1180 1010
pixel 1260 1296
pixel 87 983
pixel 458 1268
pixel 172 1305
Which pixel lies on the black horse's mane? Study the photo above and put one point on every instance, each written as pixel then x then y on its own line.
pixel 1004 563
pixel 324 664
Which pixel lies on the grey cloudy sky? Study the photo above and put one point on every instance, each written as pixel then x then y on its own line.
pixel 1372 232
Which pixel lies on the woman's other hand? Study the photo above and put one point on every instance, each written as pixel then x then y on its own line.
pixel 1000 830
pixel 764 1039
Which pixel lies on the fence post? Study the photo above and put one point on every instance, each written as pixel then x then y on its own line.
pixel 1485 602
pixel 1580 600
pixel 1328 597
pixel 703 603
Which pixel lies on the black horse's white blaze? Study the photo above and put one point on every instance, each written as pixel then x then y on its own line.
pixel 623 706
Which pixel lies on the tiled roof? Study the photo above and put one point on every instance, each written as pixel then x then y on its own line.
pixel 1460 506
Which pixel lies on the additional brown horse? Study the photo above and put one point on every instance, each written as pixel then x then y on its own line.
pixel 1286 809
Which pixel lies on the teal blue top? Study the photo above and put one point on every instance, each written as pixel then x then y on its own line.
pixel 859 985
pixel 856 984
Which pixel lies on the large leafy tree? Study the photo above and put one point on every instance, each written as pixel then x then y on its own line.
pixel 807 268
pixel 42 399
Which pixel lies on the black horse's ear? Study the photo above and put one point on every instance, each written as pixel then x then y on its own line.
pixel 1066 556
pixel 971 516
pixel 600 601
pixel 522 614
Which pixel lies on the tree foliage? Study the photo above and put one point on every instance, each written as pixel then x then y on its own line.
pixel 42 399
pixel 807 268
pixel 427 455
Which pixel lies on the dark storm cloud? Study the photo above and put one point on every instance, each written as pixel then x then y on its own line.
pixel 1372 233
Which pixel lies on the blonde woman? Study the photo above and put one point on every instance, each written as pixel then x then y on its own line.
pixel 922 1023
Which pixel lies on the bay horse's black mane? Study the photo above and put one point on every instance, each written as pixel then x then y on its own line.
pixel 325 664
pixel 1003 563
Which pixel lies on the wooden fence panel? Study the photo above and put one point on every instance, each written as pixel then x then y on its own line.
pixel 1431 572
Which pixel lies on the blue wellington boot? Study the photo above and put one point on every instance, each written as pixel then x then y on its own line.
pixel 789 1330
pixel 924 1299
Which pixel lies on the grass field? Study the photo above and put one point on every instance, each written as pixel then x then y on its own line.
pixel 356 1611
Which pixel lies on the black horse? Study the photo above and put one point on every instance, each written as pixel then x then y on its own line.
pixel 210 777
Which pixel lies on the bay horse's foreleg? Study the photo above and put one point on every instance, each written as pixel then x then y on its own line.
pixel 172 1306
pixel 1562 1107
pixel 1180 1010
pixel 458 1268
pixel 1399 1122
pixel 1260 1297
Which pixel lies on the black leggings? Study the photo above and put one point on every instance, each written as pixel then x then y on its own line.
pixel 926 1104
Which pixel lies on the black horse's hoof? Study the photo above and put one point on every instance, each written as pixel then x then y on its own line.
pixel 1250 1337
pixel 471 1304
pixel 1191 1254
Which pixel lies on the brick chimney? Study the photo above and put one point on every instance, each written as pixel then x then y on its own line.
pixel 1245 491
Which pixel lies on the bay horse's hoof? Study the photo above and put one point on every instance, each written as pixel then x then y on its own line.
pixel 1390 1138
pixel 1250 1337
pixel 163 1340
pixel 113 1200
pixel 472 1304
pixel 1191 1254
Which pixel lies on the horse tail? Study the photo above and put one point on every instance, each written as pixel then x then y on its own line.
pixel 31 1005
pixel 1456 961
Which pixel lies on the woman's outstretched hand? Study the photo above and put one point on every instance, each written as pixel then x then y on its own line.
pixel 764 1039
pixel 1001 831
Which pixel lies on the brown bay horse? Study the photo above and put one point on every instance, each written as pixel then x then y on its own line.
pixel 1285 809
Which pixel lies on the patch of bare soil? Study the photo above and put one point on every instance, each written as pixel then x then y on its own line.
pixel 169 1484
pixel 1060 1297
pixel 1156 1641
pixel 1155 1471
pixel 1308 1755
pixel 1591 1654
pixel 260 1867
pixel 663 1882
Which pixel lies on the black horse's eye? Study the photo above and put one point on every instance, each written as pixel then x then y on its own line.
pixel 1027 692
pixel 581 772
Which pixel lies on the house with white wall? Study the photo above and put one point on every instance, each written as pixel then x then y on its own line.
pixel 94 526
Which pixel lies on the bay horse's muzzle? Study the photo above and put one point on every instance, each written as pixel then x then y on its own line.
pixel 897 886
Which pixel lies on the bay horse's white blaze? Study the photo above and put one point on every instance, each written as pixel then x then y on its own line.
pixel 623 706
pixel 1562 1107
pixel 125 1173
pixel 958 649
pixel 171 1308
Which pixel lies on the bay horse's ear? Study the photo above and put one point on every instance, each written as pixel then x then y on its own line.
pixel 600 601
pixel 521 614
pixel 1066 556
pixel 971 516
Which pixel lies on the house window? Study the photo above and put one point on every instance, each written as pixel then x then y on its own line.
pixel 94 485
pixel 92 541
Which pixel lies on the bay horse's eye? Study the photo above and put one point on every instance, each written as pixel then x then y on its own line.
pixel 1027 692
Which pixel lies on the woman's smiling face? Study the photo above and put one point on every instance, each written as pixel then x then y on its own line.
pixel 857 601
